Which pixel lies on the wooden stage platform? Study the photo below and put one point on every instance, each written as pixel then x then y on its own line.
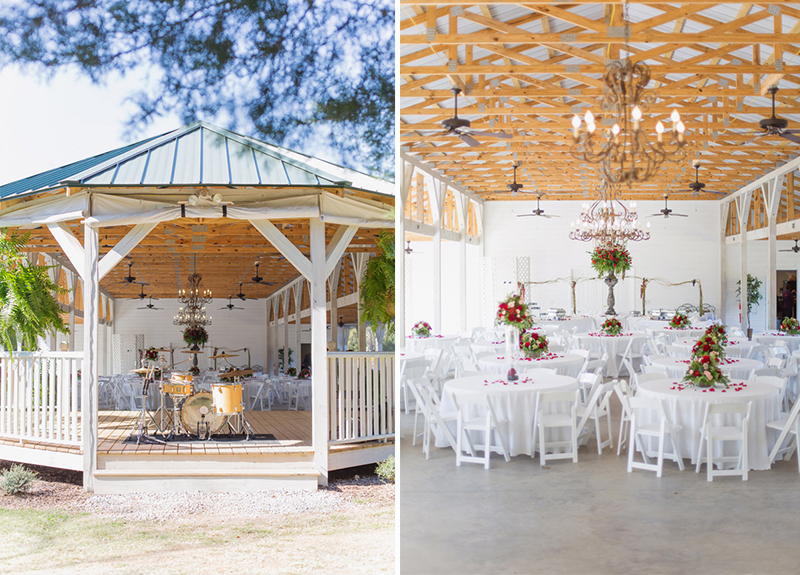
pixel 287 461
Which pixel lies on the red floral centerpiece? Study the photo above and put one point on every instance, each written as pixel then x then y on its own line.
pixel 717 333
pixel 707 344
pixel 679 321
pixel 611 326
pixel 422 329
pixel 704 371
pixel 789 326
pixel 151 354
pixel 533 344
pixel 513 312
pixel 612 259
pixel 305 373
pixel 195 335
pixel 291 372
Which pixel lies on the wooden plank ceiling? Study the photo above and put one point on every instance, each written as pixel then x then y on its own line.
pixel 224 251
pixel 526 69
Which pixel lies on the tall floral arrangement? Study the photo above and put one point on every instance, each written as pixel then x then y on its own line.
pixel 789 326
pixel 195 335
pixel 717 333
pixel 610 259
pixel 707 354
pixel 514 312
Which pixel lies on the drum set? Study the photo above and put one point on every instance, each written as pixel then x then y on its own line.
pixel 195 413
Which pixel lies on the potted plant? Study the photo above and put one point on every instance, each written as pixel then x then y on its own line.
pixel 753 297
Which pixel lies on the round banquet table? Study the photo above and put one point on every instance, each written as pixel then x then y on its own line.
pixel 565 364
pixel 792 341
pixel 687 406
pixel 582 322
pixel 613 345
pixel 735 347
pixel 419 344
pixel 495 346
pixel 734 367
pixel 678 334
pixel 515 401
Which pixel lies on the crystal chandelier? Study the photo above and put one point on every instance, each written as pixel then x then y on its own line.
pixel 626 153
pixel 193 312
pixel 607 222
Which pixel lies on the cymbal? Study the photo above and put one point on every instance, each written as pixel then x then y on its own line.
pixel 222 355
pixel 163 349
pixel 190 351
pixel 140 370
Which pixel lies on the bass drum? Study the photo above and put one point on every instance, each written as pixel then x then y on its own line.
pixel 197 408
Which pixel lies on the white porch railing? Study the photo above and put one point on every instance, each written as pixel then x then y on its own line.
pixel 39 396
pixel 361 396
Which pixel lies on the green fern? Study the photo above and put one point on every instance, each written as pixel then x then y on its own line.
pixel 377 286
pixel 28 306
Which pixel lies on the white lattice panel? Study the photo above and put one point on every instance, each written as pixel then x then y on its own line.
pixel 524 273
pixel 488 303
pixel 125 348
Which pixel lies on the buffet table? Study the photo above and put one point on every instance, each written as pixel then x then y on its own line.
pixel 565 364
pixel 515 401
pixel 686 406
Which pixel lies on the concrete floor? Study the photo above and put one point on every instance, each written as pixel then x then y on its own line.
pixel 591 517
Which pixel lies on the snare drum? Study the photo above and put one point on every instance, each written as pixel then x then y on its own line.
pixel 227 398
pixel 179 388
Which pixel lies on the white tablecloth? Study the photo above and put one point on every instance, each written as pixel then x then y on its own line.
pixel 515 401
pixel 739 368
pixel 792 341
pixel 687 407
pixel 582 322
pixel 419 344
pixel 735 347
pixel 612 345
pixel 565 364
pixel 496 346
pixel 679 334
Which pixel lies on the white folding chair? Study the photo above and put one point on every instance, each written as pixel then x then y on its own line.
pixel 436 421
pixel 562 412
pixel 787 426
pixel 587 382
pixel 411 368
pixel 464 359
pixel 659 429
pixel 710 433
pixel 660 369
pixel 759 352
pixel 675 351
pixel 488 423
pixel 420 408
pixel 596 409
pixel 777 381
pixel 623 393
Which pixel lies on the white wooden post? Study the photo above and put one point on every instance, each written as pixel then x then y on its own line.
pixel 319 363
pixel 360 265
pixel 742 214
pixel 772 195
pixel 91 302
pixel 333 289
pixel 274 338
pixel 285 306
pixel 462 207
pixel 438 191
pixel 72 283
pixel 723 284
pixel 298 341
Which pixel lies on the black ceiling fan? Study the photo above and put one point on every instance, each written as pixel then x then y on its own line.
pixel 130 279
pixel 666 212
pixel 776 126
pixel 241 295
pixel 257 279
pixel 794 249
pixel 514 187
pixel 149 305
pixel 230 306
pixel 697 186
pixel 538 211
pixel 461 127
pixel 141 295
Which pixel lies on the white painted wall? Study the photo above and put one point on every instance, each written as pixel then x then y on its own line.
pixel 680 249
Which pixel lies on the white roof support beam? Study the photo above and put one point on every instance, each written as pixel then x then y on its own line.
pixel 284 245
pixel 772 195
pixel 124 247
pixel 337 246
pixel 70 244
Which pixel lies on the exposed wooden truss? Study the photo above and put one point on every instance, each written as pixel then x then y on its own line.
pixel 527 69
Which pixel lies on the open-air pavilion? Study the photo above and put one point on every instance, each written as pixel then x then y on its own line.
pixel 206 200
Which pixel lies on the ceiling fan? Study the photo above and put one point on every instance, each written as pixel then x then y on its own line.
pixel 142 295
pixel 514 187
pixel 461 127
pixel 697 186
pixel 230 306
pixel 666 212
pixel 130 279
pixel 257 279
pixel 794 249
pixel 241 295
pixel 777 126
pixel 149 305
pixel 538 211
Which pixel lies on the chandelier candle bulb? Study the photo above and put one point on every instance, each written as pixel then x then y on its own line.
pixel 576 124
pixel 636 114
pixel 660 131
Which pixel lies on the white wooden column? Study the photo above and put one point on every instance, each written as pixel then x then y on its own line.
pixel 319 352
pixel 462 208
pixel 267 338
pixel 772 195
pixel 360 266
pixel 438 192
pixel 285 307
pixel 333 289
pixel 90 373
pixel 274 337
pixel 401 202
pixel 297 290
pixel 72 283
pixel 742 214
pixel 723 282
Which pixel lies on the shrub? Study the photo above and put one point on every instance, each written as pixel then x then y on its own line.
pixel 17 479
pixel 385 469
